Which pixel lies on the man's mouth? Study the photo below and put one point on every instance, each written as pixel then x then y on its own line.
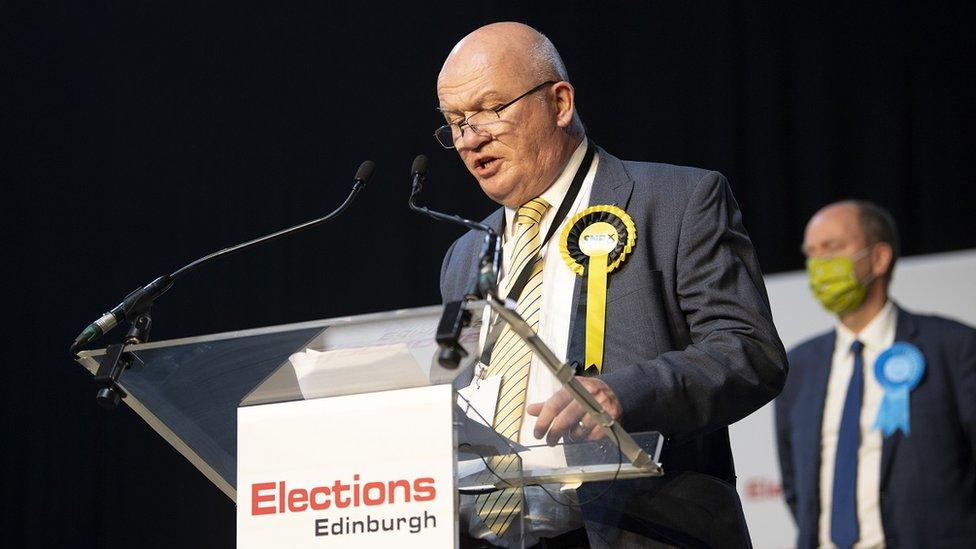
pixel 485 165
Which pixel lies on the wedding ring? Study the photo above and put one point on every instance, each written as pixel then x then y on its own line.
pixel 578 432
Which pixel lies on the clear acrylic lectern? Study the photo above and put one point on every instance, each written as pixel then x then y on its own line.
pixel 189 391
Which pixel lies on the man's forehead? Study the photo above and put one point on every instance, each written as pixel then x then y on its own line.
pixel 483 65
pixel 836 223
pixel 492 44
pixel 474 84
pixel 454 100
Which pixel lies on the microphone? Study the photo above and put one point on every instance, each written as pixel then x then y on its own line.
pixel 141 299
pixel 455 316
pixel 137 301
pixel 418 172
pixel 364 173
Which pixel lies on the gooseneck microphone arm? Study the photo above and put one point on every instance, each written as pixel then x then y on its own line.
pixel 418 173
pixel 456 314
pixel 489 263
pixel 142 298
pixel 363 175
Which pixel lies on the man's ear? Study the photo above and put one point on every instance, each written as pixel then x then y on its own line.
pixel 565 102
pixel 881 257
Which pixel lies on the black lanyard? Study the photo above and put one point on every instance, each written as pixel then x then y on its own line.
pixel 526 274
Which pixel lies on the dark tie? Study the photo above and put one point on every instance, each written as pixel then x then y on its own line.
pixel 843 508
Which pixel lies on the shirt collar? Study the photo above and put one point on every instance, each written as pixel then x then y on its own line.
pixel 875 335
pixel 556 192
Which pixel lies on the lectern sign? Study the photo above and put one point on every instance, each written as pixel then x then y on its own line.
pixel 366 470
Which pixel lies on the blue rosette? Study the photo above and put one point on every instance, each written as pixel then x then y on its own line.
pixel 898 369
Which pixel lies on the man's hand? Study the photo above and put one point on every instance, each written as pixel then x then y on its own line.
pixel 561 415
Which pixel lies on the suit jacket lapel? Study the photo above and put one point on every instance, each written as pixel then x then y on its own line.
pixel 496 220
pixel 904 331
pixel 611 185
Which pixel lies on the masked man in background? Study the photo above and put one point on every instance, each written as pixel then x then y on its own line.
pixel 876 426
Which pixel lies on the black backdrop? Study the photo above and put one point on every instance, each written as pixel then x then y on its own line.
pixel 144 134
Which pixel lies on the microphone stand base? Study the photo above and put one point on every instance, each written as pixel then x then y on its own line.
pixel 117 360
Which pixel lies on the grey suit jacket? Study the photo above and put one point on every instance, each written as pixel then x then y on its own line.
pixel 690 346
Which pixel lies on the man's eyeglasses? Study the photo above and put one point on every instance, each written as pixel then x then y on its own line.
pixel 478 122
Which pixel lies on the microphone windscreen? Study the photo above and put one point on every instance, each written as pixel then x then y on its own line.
pixel 419 165
pixel 365 171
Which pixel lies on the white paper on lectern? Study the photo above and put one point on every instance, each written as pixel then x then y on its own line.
pixel 479 399
pixel 356 370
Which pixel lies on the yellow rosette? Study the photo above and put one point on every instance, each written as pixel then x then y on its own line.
pixel 594 243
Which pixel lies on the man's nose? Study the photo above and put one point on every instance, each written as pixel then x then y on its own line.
pixel 816 253
pixel 470 140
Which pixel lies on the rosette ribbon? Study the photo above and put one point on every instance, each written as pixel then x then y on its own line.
pixel 898 369
pixel 594 243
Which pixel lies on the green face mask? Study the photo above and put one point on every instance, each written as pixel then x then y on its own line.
pixel 835 284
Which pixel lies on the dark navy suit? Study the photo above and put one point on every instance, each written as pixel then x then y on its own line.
pixel 928 478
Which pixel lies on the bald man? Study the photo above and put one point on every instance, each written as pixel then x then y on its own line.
pixel 689 345
pixel 849 480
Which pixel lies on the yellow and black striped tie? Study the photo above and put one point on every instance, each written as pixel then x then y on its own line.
pixel 511 357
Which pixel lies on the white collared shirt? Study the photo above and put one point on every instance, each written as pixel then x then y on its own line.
pixel 877 336
pixel 558 283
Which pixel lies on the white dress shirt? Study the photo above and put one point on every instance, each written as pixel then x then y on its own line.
pixel 558 283
pixel 544 517
pixel 877 336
